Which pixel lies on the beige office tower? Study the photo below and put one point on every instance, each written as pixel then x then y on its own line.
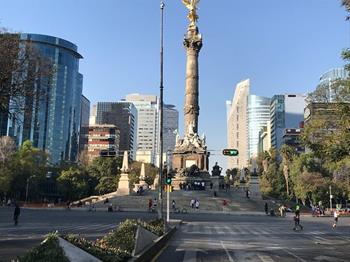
pixel 237 125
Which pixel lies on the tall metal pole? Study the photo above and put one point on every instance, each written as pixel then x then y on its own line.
pixel 27 190
pixel 160 193
pixel 330 198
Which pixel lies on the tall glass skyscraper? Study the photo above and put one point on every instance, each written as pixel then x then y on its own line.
pixel 258 112
pixel 52 121
pixel 123 115
pixel 286 111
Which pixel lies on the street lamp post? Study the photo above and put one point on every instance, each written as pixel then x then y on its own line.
pixel 160 193
pixel 48 176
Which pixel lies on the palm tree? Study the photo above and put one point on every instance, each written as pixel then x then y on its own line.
pixel 287 153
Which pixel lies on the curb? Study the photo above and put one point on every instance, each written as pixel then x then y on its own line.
pixel 148 254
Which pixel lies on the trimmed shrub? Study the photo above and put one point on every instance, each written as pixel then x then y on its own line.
pixel 104 253
pixel 48 251
pixel 123 236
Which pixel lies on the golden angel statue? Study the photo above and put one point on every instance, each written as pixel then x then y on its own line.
pixel 192 15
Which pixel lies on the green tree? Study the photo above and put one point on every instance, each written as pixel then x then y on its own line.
pixel 271 180
pixel 150 170
pixel 287 153
pixel 232 174
pixel 106 173
pixel 28 163
pixel 74 183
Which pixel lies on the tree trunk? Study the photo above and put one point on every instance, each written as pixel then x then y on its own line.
pixel 286 177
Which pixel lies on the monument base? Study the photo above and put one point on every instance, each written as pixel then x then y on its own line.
pixel 210 183
pixel 183 159
pixel 124 188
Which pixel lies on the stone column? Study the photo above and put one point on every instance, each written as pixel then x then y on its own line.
pixel 193 44
pixel 124 187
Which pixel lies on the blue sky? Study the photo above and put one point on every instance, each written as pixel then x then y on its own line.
pixel 282 46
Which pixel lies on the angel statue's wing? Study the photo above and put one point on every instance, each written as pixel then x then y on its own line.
pixel 187 3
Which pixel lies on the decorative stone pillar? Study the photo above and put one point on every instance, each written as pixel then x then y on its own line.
pixel 193 44
pixel 124 187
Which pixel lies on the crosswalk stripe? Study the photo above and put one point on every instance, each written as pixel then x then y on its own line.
pixel 219 230
pixel 208 230
pixel 229 230
pixel 265 258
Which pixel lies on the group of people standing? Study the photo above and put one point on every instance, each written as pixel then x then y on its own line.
pixel 196 185
pixel 194 203
pixel 282 209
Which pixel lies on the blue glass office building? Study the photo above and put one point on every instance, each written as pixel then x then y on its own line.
pixel 52 121
pixel 286 111
pixel 258 112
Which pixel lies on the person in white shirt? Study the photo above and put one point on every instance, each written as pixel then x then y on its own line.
pixel 197 204
pixel 336 215
pixel 192 203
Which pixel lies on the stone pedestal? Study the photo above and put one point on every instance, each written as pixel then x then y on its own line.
pixel 156 182
pixel 124 187
pixel 142 182
pixel 216 183
pixel 183 158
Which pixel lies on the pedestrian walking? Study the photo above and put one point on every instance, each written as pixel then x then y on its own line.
pixel 150 204
pixel 297 210
pixel 173 204
pixel 297 223
pixel 16 214
pixel 266 208
pixel 335 215
pixel 197 204
pixel 247 193
pixel 282 210
pixel 192 203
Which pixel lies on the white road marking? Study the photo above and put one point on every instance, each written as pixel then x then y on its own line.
pixel 297 257
pixel 227 253
pixel 265 258
pixel 219 230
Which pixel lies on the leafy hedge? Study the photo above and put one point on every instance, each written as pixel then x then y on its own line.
pixel 123 236
pixel 48 251
pixel 116 246
pixel 104 253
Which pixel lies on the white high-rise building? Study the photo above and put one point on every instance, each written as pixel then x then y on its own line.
pixel 148 128
pixel 237 126
pixel 147 115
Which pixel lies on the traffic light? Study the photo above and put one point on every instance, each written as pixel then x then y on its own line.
pixel 168 181
pixel 230 152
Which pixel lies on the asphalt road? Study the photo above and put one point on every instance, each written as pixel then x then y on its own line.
pixel 259 238
pixel 35 224
pixel 203 237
